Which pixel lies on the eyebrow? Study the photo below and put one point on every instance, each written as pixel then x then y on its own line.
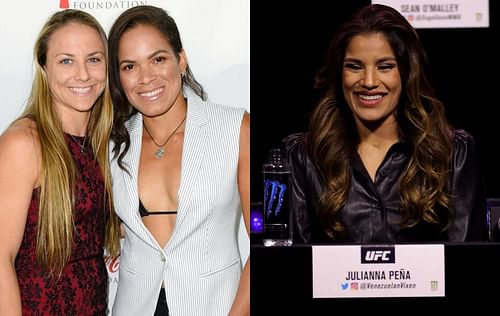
pixel 72 55
pixel 149 57
pixel 383 59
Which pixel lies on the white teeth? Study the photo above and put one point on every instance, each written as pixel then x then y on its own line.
pixel 81 90
pixel 151 93
pixel 370 97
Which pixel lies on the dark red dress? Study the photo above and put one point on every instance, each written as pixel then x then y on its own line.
pixel 82 288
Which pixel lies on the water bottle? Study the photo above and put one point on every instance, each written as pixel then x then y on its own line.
pixel 278 221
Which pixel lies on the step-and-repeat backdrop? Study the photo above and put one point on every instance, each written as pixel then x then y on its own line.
pixel 215 34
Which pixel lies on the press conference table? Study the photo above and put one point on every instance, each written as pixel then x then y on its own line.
pixel 281 284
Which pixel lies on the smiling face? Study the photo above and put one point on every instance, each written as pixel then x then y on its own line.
pixel 371 79
pixel 75 67
pixel 150 71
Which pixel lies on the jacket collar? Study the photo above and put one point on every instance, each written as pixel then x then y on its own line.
pixel 196 114
pixel 193 153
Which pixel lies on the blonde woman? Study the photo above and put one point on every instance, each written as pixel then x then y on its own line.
pixel 54 180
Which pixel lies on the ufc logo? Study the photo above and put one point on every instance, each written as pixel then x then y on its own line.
pixel 377 255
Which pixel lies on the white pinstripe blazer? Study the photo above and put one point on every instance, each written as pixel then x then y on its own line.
pixel 200 265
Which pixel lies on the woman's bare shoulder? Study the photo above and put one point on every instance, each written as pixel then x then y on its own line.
pixel 19 139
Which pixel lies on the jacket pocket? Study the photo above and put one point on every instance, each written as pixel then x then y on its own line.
pixel 127 269
pixel 227 266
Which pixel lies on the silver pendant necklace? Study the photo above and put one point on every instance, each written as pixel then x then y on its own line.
pixel 160 152
pixel 81 145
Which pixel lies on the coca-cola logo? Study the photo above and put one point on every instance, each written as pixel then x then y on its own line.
pixel 63 4
pixel 112 263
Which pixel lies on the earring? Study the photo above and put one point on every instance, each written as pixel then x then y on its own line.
pixel 183 74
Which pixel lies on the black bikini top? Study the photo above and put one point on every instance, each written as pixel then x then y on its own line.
pixel 144 212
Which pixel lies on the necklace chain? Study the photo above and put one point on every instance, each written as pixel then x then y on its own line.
pixel 160 151
pixel 82 145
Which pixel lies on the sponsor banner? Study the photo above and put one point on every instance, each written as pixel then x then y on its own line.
pixel 113 266
pixel 215 35
pixel 442 13
pixel 378 271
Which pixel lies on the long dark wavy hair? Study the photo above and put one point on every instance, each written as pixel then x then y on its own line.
pixel 333 137
pixel 123 110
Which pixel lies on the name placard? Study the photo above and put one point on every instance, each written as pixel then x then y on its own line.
pixel 442 14
pixel 414 270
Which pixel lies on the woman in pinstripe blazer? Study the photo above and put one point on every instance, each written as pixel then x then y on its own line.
pixel 180 168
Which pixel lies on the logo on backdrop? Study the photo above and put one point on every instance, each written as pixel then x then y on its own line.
pixel 100 4
pixel 113 263
pixel 113 266
pixel 379 254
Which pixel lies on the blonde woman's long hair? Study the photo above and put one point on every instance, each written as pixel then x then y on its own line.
pixel 58 171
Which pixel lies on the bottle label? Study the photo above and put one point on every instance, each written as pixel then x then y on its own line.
pixel 276 210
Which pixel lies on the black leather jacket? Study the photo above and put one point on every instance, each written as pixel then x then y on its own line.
pixel 371 213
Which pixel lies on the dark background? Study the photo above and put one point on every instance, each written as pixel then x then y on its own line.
pixel 288 42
